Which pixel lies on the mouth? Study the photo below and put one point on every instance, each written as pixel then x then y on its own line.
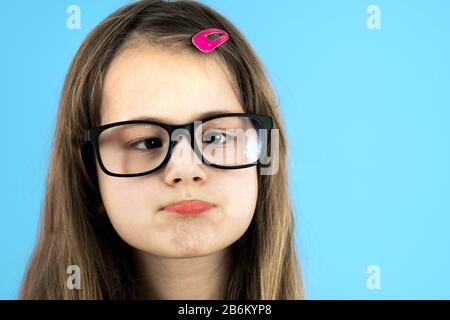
pixel 189 207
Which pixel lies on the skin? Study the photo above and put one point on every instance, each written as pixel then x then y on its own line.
pixel 177 256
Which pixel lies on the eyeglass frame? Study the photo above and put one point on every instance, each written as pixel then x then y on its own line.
pixel 91 136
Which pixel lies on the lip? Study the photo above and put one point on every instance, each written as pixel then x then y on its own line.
pixel 189 207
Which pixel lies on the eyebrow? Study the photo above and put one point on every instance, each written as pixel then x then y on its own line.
pixel 197 116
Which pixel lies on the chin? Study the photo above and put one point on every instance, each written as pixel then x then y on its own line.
pixel 190 252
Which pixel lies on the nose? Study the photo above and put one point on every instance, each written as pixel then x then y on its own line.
pixel 184 167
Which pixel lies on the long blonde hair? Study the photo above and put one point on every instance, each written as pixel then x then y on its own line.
pixel 265 264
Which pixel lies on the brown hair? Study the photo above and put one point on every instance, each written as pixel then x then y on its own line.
pixel 264 264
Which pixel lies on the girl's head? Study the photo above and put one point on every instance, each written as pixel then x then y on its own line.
pixel 174 86
pixel 140 63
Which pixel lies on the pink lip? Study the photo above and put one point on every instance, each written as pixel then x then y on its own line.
pixel 189 206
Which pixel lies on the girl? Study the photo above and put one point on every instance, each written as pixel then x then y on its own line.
pixel 131 210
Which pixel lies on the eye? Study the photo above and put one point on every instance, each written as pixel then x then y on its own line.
pixel 217 137
pixel 148 143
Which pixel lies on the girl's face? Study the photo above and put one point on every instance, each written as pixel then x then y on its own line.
pixel 175 88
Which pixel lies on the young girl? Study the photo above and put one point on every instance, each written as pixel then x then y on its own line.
pixel 127 206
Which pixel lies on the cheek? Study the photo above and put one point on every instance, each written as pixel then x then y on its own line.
pixel 240 189
pixel 121 195
pixel 129 203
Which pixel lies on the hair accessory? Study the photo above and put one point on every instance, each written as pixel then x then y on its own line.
pixel 204 44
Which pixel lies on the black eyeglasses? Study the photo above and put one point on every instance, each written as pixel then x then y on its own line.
pixel 140 147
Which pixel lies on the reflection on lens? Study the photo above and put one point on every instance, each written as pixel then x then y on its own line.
pixel 133 148
pixel 230 141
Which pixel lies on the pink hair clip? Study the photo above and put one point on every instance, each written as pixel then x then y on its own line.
pixel 204 44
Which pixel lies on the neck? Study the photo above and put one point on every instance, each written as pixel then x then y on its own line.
pixel 202 278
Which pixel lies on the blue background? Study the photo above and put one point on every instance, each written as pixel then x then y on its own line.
pixel 367 113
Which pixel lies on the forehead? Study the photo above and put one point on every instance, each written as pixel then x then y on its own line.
pixel 167 85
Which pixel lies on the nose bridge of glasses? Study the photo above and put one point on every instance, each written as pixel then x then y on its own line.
pixel 187 130
pixel 186 154
pixel 178 133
